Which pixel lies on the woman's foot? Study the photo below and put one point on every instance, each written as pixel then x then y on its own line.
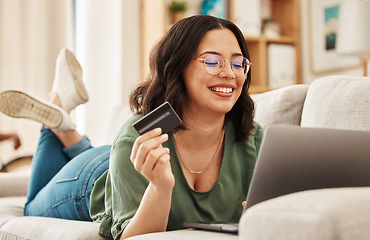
pixel 22 105
pixel 68 82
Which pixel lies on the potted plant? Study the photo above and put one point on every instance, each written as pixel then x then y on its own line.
pixel 270 28
pixel 177 10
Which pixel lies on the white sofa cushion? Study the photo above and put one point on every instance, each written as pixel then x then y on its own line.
pixel 187 234
pixel 13 224
pixel 340 102
pixel 325 214
pixel 11 207
pixel 42 228
pixel 281 106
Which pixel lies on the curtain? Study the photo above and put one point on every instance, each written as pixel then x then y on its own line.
pixel 108 48
pixel 32 32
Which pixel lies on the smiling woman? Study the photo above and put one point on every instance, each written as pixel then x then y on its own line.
pixel 154 182
pixel 201 67
pixel 169 60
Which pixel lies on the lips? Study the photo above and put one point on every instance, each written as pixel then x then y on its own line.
pixel 221 89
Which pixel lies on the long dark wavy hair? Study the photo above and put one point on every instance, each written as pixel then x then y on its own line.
pixel 168 60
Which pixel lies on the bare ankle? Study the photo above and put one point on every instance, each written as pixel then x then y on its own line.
pixel 68 137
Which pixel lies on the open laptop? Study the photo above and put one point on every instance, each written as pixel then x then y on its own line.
pixel 293 159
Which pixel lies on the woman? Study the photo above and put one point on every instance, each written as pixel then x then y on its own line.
pixel 200 171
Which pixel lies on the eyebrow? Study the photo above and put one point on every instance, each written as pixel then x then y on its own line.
pixel 217 53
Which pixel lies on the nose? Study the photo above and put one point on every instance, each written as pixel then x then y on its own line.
pixel 227 71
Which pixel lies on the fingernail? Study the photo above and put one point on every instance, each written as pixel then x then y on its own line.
pixel 164 136
pixel 157 130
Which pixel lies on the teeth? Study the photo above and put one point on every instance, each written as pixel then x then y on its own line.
pixel 222 89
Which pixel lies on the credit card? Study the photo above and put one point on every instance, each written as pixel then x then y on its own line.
pixel 163 117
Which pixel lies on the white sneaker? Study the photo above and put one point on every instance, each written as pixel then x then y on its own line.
pixel 68 82
pixel 21 105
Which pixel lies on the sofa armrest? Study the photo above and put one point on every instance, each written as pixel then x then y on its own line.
pixel 13 184
pixel 325 214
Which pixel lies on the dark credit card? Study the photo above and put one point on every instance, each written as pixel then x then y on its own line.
pixel 163 117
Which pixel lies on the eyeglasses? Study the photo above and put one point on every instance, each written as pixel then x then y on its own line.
pixel 215 63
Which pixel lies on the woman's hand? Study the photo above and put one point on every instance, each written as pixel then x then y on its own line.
pixel 152 160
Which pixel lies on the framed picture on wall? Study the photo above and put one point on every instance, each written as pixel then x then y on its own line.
pixel 323 26
pixel 216 8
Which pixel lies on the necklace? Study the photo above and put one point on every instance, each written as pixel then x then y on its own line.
pixel 209 164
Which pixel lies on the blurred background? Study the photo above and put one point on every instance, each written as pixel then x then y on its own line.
pixel 112 39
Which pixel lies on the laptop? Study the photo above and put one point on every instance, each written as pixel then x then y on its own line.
pixel 294 159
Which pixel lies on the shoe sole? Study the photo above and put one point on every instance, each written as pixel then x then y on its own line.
pixel 21 105
pixel 76 70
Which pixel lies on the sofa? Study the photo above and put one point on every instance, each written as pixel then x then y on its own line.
pixel 340 102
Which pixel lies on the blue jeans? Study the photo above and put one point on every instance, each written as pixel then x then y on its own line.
pixel 62 178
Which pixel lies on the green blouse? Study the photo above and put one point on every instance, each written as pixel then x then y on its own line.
pixel 118 192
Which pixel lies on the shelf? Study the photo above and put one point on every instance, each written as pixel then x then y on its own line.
pixel 258 89
pixel 286 14
pixel 264 39
pixel 283 40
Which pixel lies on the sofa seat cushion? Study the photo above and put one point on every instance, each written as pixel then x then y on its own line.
pixel 340 102
pixel 11 207
pixel 280 106
pixel 51 228
pixel 186 234
pixel 43 228
pixel 325 214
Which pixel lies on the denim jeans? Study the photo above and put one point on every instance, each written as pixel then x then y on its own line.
pixel 62 178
